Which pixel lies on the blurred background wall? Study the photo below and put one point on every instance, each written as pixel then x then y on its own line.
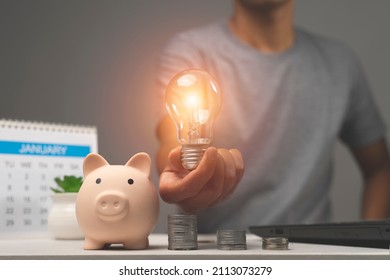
pixel 93 62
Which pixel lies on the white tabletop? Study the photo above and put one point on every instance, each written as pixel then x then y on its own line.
pixel 44 247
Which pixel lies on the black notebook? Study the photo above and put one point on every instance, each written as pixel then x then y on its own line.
pixel 374 233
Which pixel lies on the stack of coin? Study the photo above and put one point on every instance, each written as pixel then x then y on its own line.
pixel 231 239
pixel 182 232
pixel 275 243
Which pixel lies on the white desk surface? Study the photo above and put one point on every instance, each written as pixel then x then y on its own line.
pixel 44 247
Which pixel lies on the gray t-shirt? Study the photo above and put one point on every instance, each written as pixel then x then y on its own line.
pixel 284 112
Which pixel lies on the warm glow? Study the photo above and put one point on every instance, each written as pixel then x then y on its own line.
pixel 186 80
pixel 191 101
pixel 203 116
pixel 213 86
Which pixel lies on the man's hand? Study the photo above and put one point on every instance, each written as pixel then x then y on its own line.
pixel 215 178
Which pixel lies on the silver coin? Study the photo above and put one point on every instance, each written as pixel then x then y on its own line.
pixel 275 243
pixel 231 240
pixel 232 247
pixel 182 232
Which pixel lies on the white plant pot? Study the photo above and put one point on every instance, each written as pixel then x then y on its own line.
pixel 62 221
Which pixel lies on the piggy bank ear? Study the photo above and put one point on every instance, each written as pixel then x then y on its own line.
pixel 142 162
pixel 93 161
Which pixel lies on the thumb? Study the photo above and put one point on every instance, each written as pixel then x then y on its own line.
pixel 203 172
pixel 174 159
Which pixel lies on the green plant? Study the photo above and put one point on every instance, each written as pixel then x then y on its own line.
pixel 68 184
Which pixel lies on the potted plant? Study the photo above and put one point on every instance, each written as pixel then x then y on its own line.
pixel 70 184
pixel 62 221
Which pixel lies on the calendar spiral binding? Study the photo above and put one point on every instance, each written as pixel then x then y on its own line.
pixel 47 126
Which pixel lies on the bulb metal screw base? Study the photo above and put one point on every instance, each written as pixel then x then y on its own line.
pixel 191 154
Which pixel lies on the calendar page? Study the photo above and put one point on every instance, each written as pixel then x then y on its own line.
pixel 31 156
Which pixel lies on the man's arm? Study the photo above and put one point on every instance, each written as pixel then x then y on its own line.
pixel 374 163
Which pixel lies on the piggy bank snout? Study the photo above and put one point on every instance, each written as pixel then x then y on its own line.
pixel 111 206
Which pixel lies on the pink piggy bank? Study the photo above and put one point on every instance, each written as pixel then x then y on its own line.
pixel 117 204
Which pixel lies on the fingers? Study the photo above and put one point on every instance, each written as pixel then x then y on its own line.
pixel 230 173
pixel 233 172
pixel 215 179
pixel 177 183
pixel 174 161
pixel 205 170
pixel 210 192
pixel 239 169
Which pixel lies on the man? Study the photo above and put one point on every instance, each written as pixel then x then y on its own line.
pixel 288 95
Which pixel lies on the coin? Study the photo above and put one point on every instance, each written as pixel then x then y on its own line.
pixel 275 243
pixel 182 232
pixel 231 239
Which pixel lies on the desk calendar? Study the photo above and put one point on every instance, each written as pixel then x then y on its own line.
pixel 31 156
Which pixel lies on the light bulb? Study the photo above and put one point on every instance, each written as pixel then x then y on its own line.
pixel 193 100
